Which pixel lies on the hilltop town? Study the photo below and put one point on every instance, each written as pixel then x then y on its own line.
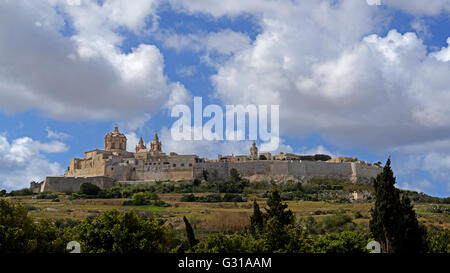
pixel 115 164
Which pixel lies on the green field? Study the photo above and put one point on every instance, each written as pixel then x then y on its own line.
pixel 211 217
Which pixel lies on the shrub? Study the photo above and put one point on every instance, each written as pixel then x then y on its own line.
pixel 145 198
pixel 19 234
pixel 115 232
pixel 357 215
pixel 230 197
pixel 188 198
pixel 345 242
pixel 89 189
pixel 47 195
pixel 210 198
pixel 439 240
pixel 22 192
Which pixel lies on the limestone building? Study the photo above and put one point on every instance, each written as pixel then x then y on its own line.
pixel 115 164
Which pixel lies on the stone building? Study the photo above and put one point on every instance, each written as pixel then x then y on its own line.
pixel 114 163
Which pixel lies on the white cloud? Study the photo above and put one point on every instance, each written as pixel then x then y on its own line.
pixel 210 149
pixel 419 186
pixel 56 135
pixel 444 54
pixel 420 7
pixel 222 42
pixel 186 71
pixel 321 62
pixel 132 141
pixel 179 95
pixel 317 150
pixel 84 76
pixel 23 161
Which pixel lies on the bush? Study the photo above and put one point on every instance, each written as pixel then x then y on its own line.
pixel 22 192
pixel 47 195
pixel 19 233
pixel 438 209
pixel 145 198
pixel 439 240
pixel 230 197
pixel 357 215
pixel 115 232
pixel 188 198
pixel 89 189
pixel 212 198
pixel 345 242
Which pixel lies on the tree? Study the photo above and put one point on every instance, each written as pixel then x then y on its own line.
pixel 205 175
pixel 256 220
pixel 19 234
pixel 278 209
pixel 190 233
pixel 262 157
pixel 234 175
pixel 115 232
pixel 344 242
pixel 89 189
pixel 196 182
pixel 394 224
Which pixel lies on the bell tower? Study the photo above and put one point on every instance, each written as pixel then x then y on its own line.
pixel 141 145
pixel 156 145
pixel 254 151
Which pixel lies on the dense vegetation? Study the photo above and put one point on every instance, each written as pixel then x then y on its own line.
pixel 273 228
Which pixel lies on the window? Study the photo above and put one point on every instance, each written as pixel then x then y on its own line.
pixel 174 165
pixel 182 164
pixel 190 164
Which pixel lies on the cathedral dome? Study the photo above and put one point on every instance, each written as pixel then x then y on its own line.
pixel 115 141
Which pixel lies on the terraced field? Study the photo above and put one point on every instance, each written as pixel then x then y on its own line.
pixel 212 217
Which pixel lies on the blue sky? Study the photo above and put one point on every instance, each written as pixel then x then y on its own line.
pixel 351 79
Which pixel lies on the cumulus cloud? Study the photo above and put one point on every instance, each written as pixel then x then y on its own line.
pixel 444 54
pixel 320 149
pixel 84 74
pixel 211 148
pixel 132 141
pixel 23 160
pixel 55 134
pixel 328 71
pixel 222 42
pixel 419 7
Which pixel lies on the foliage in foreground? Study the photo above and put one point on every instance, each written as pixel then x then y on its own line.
pixel 19 234
pixel 115 232
pixel 394 223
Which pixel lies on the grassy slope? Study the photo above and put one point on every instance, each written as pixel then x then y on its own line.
pixel 210 217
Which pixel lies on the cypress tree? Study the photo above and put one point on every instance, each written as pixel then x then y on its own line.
pixel 394 224
pixel 278 209
pixel 190 233
pixel 256 220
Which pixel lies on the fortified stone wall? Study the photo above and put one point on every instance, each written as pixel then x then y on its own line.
pixel 36 186
pixel 286 170
pixel 364 173
pixel 72 184
pixel 164 174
